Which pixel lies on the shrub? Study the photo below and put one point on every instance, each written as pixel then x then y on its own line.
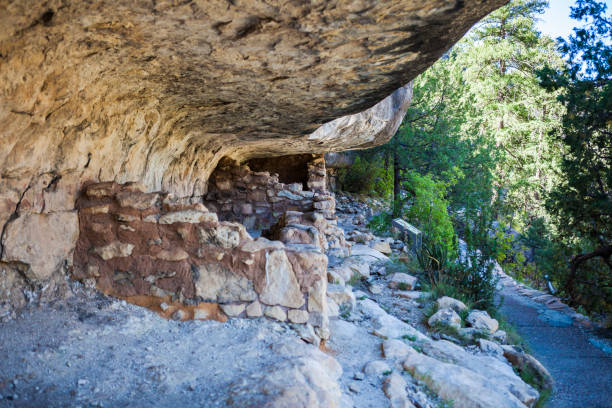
pixel 381 223
pixel 428 210
pixel 367 176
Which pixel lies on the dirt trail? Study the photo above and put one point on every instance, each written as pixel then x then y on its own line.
pixel 582 371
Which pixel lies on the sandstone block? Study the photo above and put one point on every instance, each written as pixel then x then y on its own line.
pixel 124 217
pixel 281 286
pixel 382 246
pixel 99 190
pixel 233 310
pixel 261 244
pixel 115 249
pixel 222 235
pixel 289 195
pixel 96 209
pixel 276 313
pixel 188 216
pixel 137 200
pixel 254 310
pixel 216 283
pixel 395 349
pixel 174 254
pixel 317 297
pixel 297 316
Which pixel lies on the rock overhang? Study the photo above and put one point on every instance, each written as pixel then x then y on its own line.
pixel 158 92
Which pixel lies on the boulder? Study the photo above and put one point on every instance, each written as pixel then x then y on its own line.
pixel 370 308
pixel 523 361
pixel 402 281
pixel 500 336
pixel 382 247
pixel 388 326
pixel 306 332
pixel 464 387
pixel 446 302
pixel 357 267
pixel 370 255
pixel 498 373
pixel 480 320
pixel 445 318
pixel 303 376
pixel 490 347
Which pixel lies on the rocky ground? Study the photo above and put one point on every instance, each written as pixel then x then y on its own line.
pixel 90 350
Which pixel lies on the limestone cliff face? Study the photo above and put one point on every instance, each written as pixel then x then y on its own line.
pixel 158 92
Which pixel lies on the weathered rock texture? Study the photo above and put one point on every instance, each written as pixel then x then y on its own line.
pixel 159 92
pixel 258 199
pixel 150 248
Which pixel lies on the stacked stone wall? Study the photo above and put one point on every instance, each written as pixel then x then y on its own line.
pixel 179 259
pixel 257 199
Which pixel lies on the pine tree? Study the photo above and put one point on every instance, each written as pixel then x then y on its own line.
pixel 582 202
pixel 500 58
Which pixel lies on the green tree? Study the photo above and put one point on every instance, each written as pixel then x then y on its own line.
pixel 582 202
pixel 498 60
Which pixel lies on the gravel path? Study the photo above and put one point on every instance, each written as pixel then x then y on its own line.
pixel 582 371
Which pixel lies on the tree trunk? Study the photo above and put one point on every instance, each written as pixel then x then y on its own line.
pixel 396 182
pixel 604 252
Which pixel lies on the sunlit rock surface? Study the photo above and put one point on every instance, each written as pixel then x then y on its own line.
pixel 159 92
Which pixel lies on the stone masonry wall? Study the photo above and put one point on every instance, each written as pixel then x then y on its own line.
pixel 257 199
pixel 177 258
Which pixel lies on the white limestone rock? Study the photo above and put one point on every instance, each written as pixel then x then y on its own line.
pixel 446 302
pixel 445 318
pixel 402 281
pixel 480 319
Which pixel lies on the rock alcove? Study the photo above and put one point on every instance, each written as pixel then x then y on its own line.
pixel 120 119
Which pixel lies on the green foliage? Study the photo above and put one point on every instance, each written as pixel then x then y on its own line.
pixel 406 265
pixel 428 210
pixel 355 279
pixel 499 58
pixel 504 126
pixel 381 223
pixel 366 176
pixel 581 203
pixel 434 261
